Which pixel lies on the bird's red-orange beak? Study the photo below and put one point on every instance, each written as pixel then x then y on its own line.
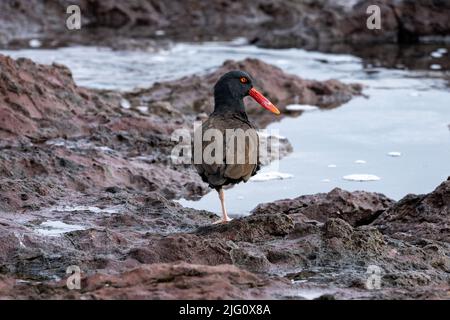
pixel 263 101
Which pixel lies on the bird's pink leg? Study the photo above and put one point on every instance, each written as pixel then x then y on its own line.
pixel 225 217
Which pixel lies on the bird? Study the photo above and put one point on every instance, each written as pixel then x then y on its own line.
pixel 233 161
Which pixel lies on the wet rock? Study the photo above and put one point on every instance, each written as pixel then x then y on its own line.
pixel 356 208
pixel 250 229
pixel 419 216
pixel 141 233
pixel 57 136
pixel 182 247
pixel 77 139
pixel 250 258
pixel 40 102
pixel 155 281
pixel 337 228
pixel 407 279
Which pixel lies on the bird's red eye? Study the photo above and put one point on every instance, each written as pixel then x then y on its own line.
pixel 243 80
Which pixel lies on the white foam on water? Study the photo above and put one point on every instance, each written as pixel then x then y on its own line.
pixel 301 107
pixel 437 54
pixel 22 281
pixel 332 166
pixel 159 58
pixel 56 228
pixel 239 41
pixel 361 177
pixel 84 208
pixel 299 281
pixel 415 94
pixel 104 149
pixel 160 33
pixel 56 142
pixel 326 180
pixel 143 109
pixel 394 154
pixel 311 294
pixel 281 62
pixel 435 66
pixel 270 175
pixel 35 43
pixel 80 144
pixel 124 103
pixel 360 161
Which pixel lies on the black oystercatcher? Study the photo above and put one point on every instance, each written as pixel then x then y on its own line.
pixel 239 159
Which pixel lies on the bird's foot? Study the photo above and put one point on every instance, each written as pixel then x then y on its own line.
pixel 223 220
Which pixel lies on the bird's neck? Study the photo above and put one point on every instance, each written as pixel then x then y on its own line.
pixel 227 103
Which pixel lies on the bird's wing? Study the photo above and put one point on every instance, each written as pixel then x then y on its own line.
pixel 246 153
pixel 245 150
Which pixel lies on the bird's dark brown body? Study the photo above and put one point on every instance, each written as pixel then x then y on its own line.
pixel 238 160
pixel 219 175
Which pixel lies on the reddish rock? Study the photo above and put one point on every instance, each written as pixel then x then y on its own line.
pixel 419 216
pixel 182 247
pixel 268 23
pixel 155 281
pixel 250 229
pixel 357 208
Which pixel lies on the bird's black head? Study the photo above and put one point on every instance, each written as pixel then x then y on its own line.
pixel 232 88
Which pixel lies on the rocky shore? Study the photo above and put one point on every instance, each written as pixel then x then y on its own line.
pixel 87 180
pixel 87 177
pixel 289 249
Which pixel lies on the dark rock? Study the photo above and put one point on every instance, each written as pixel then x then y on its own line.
pixel 182 247
pixel 250 258
pixel 273 24
pixel 337 228
pixel 419 216
pixel 155 281
pixel 357 208
pixel 250 229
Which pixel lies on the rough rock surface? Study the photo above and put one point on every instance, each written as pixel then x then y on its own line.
pixel 357 208
pixel 155 281
pixel 420 216
pixel 273 255
pixel 268 23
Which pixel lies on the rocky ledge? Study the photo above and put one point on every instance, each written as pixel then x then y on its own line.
pixel 308 247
